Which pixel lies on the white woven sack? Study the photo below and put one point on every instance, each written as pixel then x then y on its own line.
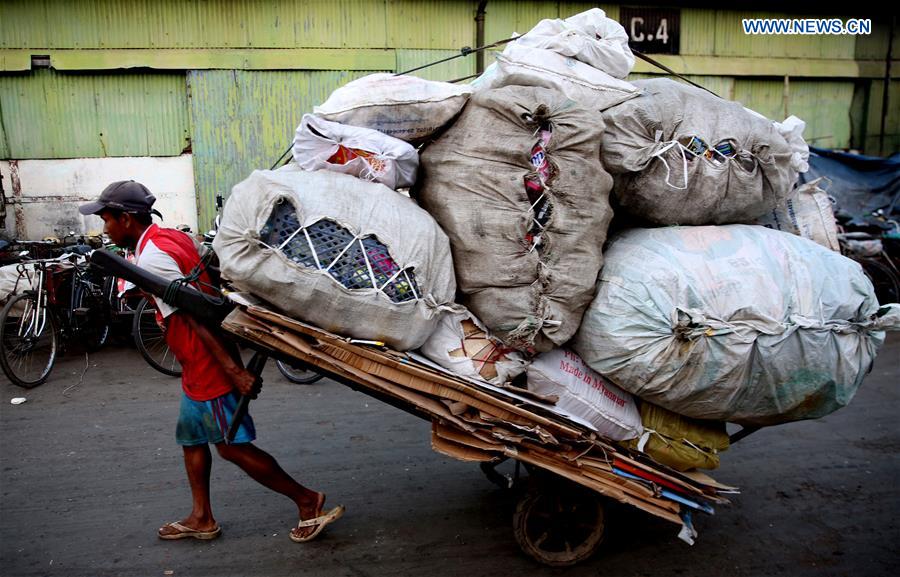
pixel 267 258
pixel 807 212
pixel 588 37
pixel 405 107
pixel 527 66
pixel 584 393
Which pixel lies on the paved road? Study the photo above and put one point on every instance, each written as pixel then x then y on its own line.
pixel 89 473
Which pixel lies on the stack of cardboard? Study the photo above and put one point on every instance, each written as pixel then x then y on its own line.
pixel 475 421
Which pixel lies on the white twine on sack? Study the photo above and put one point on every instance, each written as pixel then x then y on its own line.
pixel 681 149
pixel 358 240
pixel 684 151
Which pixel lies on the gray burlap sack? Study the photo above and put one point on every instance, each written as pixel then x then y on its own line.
pixel 350 256
pixel 650 145
pixel 527 262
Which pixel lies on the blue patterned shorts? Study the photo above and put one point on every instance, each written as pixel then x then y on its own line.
pixel 202 422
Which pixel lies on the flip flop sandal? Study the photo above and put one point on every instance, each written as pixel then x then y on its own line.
pixel 319 524
pixel 184 532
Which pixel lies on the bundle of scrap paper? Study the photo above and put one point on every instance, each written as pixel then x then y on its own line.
pixel 475 421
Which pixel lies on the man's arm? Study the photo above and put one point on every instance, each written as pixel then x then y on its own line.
pixel 245 382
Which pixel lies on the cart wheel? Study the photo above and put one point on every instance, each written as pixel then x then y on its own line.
pixel 559 524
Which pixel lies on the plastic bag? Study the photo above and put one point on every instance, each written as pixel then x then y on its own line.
pixel 362 152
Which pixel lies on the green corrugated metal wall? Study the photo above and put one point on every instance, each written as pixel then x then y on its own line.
pixel 47 114
pixel 240 120
pixel 243 120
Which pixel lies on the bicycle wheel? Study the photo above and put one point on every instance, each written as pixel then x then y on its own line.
pixel 151 342
pixel 28 341
pixel 298 373
pixel 884 281
pixel 90 318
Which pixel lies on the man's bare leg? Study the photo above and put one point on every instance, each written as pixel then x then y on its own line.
pixel 198 464
pixel 266 471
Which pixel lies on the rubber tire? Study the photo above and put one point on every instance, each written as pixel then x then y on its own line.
pixel 139 340
pixel 884 281
pixel 54 344
pixel 547 512
pixel 288 372
pixel 98 315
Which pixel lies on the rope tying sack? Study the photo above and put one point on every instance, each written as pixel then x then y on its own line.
pixel 193 278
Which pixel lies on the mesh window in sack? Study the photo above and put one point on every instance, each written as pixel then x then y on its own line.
pixel 355 262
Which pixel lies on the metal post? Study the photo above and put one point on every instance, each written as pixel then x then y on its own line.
pixel 479 35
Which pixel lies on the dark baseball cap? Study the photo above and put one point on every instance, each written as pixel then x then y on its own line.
pixel 124 195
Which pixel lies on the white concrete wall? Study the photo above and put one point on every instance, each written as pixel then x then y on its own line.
pixel 51 191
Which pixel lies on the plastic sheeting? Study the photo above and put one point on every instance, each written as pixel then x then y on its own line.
pixel 859 184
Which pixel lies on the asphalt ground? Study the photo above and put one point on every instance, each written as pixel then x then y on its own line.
pixel 89 469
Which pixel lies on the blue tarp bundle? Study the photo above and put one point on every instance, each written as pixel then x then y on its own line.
pixel 860 184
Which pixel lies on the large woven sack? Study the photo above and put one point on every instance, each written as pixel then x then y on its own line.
pixel 521 65
pixel 664 150
pixel 405 107
pixel 733 323
pixel 585 57
pixel 528 283
pixel 349 256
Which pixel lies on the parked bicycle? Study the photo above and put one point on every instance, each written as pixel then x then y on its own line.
pixel 62 304
pixel 869 251
pixel 151 342
pixel 16 251
pixel 874 242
